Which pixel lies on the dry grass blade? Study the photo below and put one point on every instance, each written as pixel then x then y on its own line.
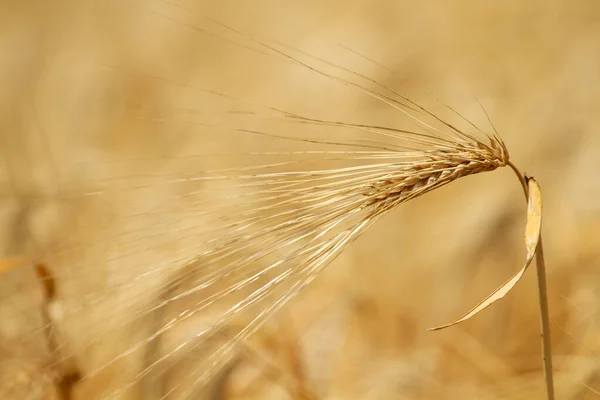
pixel 532 237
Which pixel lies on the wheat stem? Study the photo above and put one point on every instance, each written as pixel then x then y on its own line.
pixel 545 319
pixel 543 298
pixel 521 178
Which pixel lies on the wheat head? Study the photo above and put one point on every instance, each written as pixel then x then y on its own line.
pixel 250 239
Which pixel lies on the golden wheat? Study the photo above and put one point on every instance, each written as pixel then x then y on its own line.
pixel 262 250
pixel 274 244
pixel 250 239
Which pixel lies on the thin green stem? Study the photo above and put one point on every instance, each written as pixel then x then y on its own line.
pixel 543 298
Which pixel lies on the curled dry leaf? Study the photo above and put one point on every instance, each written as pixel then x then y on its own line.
pixel 532 237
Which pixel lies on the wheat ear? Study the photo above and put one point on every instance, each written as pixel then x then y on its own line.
pixel 265 248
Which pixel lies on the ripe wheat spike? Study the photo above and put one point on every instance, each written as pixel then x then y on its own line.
pixel 250 238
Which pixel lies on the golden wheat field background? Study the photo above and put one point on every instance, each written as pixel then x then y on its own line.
pixel 111 110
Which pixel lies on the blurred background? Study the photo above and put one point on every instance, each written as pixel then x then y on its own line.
pixel 104 104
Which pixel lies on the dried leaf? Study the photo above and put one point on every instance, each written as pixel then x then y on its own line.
pixel 532 236
pixel 6 264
